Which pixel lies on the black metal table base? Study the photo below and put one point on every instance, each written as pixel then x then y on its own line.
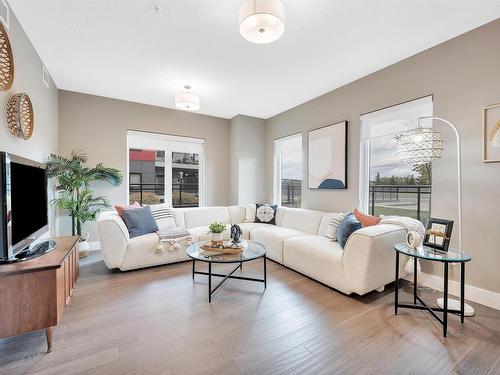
pixel 227 276
pixel 419 304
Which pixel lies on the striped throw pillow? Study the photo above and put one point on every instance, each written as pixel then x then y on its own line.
pixel 164 215
pixel 331 232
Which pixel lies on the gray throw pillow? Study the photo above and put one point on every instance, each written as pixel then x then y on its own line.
pixel 139 221
pixel 347 227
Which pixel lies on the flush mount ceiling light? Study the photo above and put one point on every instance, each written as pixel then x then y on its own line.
pixel 187 101
pixel 262 21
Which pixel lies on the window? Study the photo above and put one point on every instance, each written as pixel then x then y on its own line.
pixel 160 173
pixel 185 177
pixel 288 171
pixel 388 186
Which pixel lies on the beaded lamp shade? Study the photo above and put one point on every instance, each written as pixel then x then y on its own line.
pixel 419 146
pixel 20 118
pixel 6 61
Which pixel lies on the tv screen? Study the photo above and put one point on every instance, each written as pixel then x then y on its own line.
pixel 28 199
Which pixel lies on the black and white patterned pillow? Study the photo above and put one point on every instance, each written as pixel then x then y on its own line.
pixel 265 213
pixel 163 215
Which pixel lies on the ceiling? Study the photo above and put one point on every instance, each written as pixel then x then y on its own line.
pixel 122 49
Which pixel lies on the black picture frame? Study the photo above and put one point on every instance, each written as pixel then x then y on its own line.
pixel 448 227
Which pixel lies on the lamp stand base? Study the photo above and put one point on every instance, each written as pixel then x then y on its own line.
pixel 454 304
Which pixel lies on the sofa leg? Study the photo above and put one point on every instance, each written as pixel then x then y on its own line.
pixel 381 289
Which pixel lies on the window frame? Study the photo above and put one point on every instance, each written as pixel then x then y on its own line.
pixel 139 140
pixel 365 141
pixel 277 164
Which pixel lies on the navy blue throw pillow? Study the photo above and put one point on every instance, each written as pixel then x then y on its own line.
pixel 347 227
pixel 139 221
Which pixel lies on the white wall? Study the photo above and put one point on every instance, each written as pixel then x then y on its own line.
pixel 28 79
pixel 247 167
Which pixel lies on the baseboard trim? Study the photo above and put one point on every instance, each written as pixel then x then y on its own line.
pixel 472 293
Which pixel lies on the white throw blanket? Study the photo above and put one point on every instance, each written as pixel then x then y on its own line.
pixel 172 237
pixel 409 224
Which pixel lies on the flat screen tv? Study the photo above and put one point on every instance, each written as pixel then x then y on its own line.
pixel 24 205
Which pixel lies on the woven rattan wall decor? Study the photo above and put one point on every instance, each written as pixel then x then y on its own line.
pixel 6 61
pixel 20 117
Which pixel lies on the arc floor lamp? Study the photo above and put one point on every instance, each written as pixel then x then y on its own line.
pixel 423 145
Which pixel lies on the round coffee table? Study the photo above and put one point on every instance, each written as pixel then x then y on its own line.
pixel 254 250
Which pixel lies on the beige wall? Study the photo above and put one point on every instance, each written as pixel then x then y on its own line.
pixel 463 74
pixel 248 160
pixel 28 79
pixel 99 126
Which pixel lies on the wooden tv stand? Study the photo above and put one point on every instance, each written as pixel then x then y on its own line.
pixel 34 293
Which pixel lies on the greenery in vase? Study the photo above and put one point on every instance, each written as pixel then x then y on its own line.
pixel 74 179
pixel 217 227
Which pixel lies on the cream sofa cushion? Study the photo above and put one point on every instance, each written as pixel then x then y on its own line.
pixel 237 214
pixel 142 252
pixel 318 258
pixel 301 219
pixel 197 217
pixel 179 218
pixel 272 237
pixel 250 210
pixel 247 228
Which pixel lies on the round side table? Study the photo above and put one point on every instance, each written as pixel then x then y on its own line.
pixel 445 257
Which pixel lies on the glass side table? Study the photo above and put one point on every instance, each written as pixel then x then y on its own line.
pixel 445 257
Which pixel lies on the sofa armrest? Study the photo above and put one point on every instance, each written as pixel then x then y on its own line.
pixel 114 238
pixel 369 257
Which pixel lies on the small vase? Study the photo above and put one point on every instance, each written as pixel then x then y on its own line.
pixel 216 237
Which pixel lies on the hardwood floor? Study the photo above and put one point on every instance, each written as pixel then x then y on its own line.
pixel 158 321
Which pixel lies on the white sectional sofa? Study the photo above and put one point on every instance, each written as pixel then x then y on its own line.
pixel 297 241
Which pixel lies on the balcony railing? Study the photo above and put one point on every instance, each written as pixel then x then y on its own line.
pixel 183 194
pixel 402 200
pixel 291 192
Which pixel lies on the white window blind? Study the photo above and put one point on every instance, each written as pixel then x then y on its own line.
pixel 396 119
pixel 292 143
pixel 154 141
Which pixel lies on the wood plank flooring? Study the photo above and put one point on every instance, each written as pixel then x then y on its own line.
pixel 158 321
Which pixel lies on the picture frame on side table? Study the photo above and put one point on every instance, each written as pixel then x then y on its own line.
pixel 491 134
pixel 327 157
pixel 436 241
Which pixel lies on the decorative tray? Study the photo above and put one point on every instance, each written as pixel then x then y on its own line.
pixel 225 247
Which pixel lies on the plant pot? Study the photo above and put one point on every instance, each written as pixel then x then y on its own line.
pixel 83 247
pixel 216 237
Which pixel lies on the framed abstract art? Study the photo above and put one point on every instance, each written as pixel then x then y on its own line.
pixel 327 157
pixel 491 134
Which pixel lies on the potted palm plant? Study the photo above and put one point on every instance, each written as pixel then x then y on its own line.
pixel 74 180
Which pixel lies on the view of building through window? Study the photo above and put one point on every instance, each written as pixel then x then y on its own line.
pixel 185 180
pixel 147 182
